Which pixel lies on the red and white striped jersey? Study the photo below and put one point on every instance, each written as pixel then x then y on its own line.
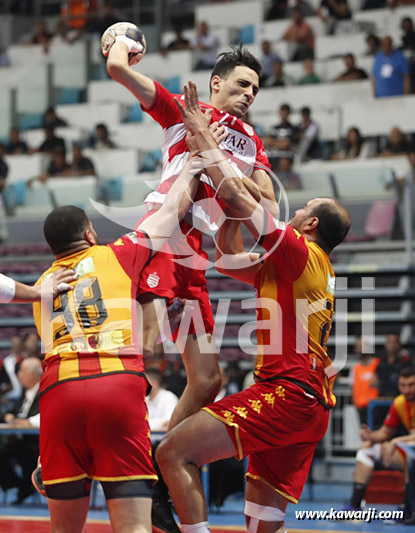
pixel 243 145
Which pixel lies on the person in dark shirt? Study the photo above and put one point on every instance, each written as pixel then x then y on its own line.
pixel 51 119
pixel 179 42
pixel 281 140
pixel 80 165
pixel 352 72
pixel 392 361
pixel 336 9
pixel 106 19
pixel 396 144
pixel 51 141
pixel 16 145
pixel 373 45
pixel 101 138
pixel 4 170
pixel 408 37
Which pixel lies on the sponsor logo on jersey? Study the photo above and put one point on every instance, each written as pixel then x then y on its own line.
pixel 153 280
pixel 331 284
pixel 249 129
pixel 78 345
pixel 84 267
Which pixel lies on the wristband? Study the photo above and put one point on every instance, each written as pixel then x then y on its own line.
pixel 7 289
pixel 130 43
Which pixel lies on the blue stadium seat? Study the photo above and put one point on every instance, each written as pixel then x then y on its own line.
pixel 113 189
pixel 247 34
pixel 30 121
pixel 69 96
pixel 173 84
pixel 135 114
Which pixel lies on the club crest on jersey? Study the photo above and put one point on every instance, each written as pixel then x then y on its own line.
pixel 249 129
pixel 153 280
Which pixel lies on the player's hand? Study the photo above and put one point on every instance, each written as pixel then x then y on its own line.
pixel 365 433
pixel 61 280
pixel 219 132
pixel 388 449
pixel 192 115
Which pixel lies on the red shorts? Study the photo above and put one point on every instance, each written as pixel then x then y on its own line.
pixel 178 270
pixel 278 426
pixel 96 428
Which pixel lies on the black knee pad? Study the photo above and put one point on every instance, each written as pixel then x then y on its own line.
pixel 134 488
pixel 69 490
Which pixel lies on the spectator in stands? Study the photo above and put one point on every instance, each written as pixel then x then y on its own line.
pixel 374 4
pixel 363 376
pixel 310 76
pixel 392 361
pixel 332 12
pixel 10 386
pixel 289 179
pixel 300 35
pixel 305 7
pixel 80 165
pixel 308 145
pixel 408 37
pixel 390 71
pixel 396 144
pixel 373 44
pixel 353 147
pixel 106 18
pixel 282 138
pixel 58 167
pixel 101 139
pixel 278 77
pixel 51 120
pixel 4 170
pixel 41 35
pixel 65 34
pixel 4 57
pixel 377 444
pixel 352 72
pixel 267 61
pixel 179 42
pixel 31 346
pixel 206 45
pixel 51 141
pixel 24 451
pixel 160 402
pixel 277 10
pixel 16 145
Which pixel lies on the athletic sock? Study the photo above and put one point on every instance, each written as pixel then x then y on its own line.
pixel 359 491
pixel 409 499
pixel 201 527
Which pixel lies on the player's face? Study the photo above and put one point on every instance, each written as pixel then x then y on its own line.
pixel 237 92
pixel 407 387
pixel 302 216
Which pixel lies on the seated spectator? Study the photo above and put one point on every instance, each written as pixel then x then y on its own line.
pixel 352 72
pixel 16 145
pixel 308 145
pixel 206 45
pixel 10 386
pixel 41 35
pixel 390 71
pixel 160 402
pixel 80 165
pixel 277 10
pixel 289 179
pixel 392 361
pixel 51 119
pixel 305 7
pixel 179 42
pixel 282 138
pixel 373 45
pixel 374 4
pixel 51 141
pixel 408 37
pixel 354 146
pixel 301 36
pixel 278 77
pixel 267 61
pixel 31 346
pixel 101 139
pixel 332 12
pixel 363 376
pixel 310 76
pixel 377 444
pixel 25 450
pixel 396 144
pixel 57 167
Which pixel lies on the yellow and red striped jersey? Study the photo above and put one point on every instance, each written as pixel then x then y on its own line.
pixel 401 412
pixel 296 275
pixel 92 330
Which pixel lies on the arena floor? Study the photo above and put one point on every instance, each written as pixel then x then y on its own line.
pixel 32 517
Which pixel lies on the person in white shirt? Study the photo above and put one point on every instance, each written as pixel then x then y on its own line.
pixel 206 45
pixel 160 402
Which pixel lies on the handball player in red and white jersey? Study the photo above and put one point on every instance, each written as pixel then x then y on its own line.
pixel 234 85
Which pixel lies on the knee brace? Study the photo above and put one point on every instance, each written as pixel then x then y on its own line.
pixel 265 513
pixel 368 456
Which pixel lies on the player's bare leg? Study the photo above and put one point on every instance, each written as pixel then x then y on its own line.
pixel 68 516
pixel 204 378
pixel 258 495
pixel 198 440
pixel 130 515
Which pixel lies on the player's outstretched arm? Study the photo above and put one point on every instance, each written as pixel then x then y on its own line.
pixel 231 188
pixel 118 68
pixel 16 292
pixel 231 259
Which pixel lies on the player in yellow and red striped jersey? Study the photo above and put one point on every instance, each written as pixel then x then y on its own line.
pixel 279 420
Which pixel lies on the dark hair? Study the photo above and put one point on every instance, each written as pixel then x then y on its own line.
pixel 333 225
pixel 285 107
pixel 407 372
pixel 359 140
pixel 306 111
pixel 64 226
pixel 237 57
pixel 154 372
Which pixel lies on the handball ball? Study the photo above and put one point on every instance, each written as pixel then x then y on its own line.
pixel 128 29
